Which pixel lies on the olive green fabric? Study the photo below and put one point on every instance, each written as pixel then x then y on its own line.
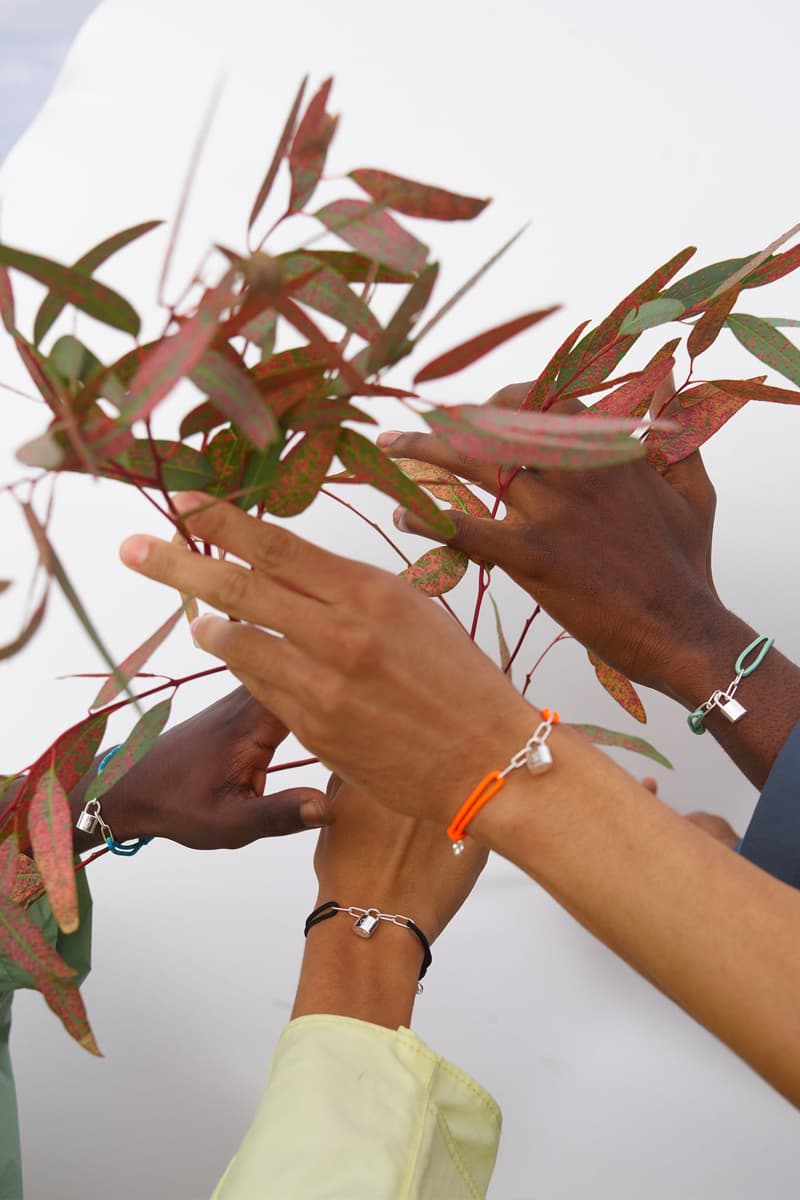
pixel 75 949
pixel 353 1111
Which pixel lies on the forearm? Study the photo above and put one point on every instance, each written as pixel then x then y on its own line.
pixel 705 662
pixel 710 930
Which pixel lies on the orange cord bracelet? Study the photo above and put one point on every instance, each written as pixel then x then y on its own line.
pixel 535 754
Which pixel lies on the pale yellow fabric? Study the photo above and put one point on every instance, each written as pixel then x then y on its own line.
pixel 353 1111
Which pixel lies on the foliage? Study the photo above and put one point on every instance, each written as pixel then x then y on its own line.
pixel 278 347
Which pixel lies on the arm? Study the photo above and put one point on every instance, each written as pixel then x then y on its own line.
pixel 706 927
pixel 356 1104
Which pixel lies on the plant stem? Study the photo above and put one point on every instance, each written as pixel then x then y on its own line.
pixel 559 637
pixel 521 639
pixel 299 762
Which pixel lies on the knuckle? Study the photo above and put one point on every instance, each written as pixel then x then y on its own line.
pixel 234 589
pixel 275 547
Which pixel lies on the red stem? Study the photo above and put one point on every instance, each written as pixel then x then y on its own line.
pixel 299 762
pixel 559 637
pixel 521 639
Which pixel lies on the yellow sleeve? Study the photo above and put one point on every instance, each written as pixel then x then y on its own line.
pixel 354 1111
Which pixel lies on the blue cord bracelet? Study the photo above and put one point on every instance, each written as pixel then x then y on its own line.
pixel 123 849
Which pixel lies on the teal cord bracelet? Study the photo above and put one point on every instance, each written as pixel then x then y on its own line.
pixel 725 701
pixel 91 817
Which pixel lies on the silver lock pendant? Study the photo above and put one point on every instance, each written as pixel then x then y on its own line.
pixel 732 709
pixel 539 758
pixel 86 822
pixel 366 925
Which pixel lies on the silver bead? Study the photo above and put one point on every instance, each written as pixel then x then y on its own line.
pixel 539 758
pixel 366 925
pixel 458 849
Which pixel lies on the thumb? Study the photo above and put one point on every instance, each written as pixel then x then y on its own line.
pixel 290 811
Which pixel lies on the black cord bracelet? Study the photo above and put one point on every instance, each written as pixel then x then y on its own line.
pixel 366 922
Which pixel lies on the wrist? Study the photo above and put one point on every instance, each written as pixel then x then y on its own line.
pixel 370 979
pixel 703 660
pixel 120 808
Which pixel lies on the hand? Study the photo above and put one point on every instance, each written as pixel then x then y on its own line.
pixel 612 555
pixel 374 858
pixel 202 783
pixel 381 684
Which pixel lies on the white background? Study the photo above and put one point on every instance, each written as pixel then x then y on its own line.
pixel 623 131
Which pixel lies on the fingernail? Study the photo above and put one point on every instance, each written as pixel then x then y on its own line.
pixel 400 518
pixel 188 501
pixel 135 550
pixel 195 628
pixel 314 815
pixel 385 439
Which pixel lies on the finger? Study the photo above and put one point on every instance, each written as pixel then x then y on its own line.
pixel 480 538
pixel 717 827
pixel 651 785
pixel 289 811
pixel 229 587
pixel 512 396
pixel 427 448
pixel 690 478
pixel 273 662
pixel 271 549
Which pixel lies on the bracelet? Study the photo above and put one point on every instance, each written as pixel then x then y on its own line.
pixel 535 755
pixel 725 701
pixel 367 921
pixel 91 816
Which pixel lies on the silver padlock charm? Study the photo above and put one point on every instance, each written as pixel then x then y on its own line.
pixel 730 708
pixel 539 758
pixel 86 822
pixel 366 925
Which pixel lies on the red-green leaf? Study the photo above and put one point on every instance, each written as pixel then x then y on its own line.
pixel 609 329
pixel 28 631
pixel 374 233
pixel 328 293
pixel 749 389
pixel 358 268
pixel 75 288
pixel 608 737
pixel 708 328
pixel 70 756
pixel 202 419
pixel 502 643
pixel 649 315
pixel 9 856
pixel 133 664
pixel 324 412
pixel 695 289
pixel 470 351
pixel 619 688
pixel 768 344
pixel 444 486
pixel 138 743
pixel 182 469
pixel 709 410
pixel 226 453
pixel 319 345
pixel 546 441
pixel 281 150
pixel 301 474
pixel 50 829
pixel 174 357
pixel 392 343
pixel 261 331
pixel 539 391
pixel 417 199
pixel 231 389
pixel 7 315
pixel 371 465
pixel 596 368
pixel 53 304
pixel 437 571
pixel 24 943
pixel 310 148
pixel 774 268
pixel 65 1000
pixel 633 397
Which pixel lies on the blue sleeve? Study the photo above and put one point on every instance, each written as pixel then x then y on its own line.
pixel 772 840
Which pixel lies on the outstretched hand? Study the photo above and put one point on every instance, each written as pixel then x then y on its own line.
pixel 202 783
pixel 619 557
